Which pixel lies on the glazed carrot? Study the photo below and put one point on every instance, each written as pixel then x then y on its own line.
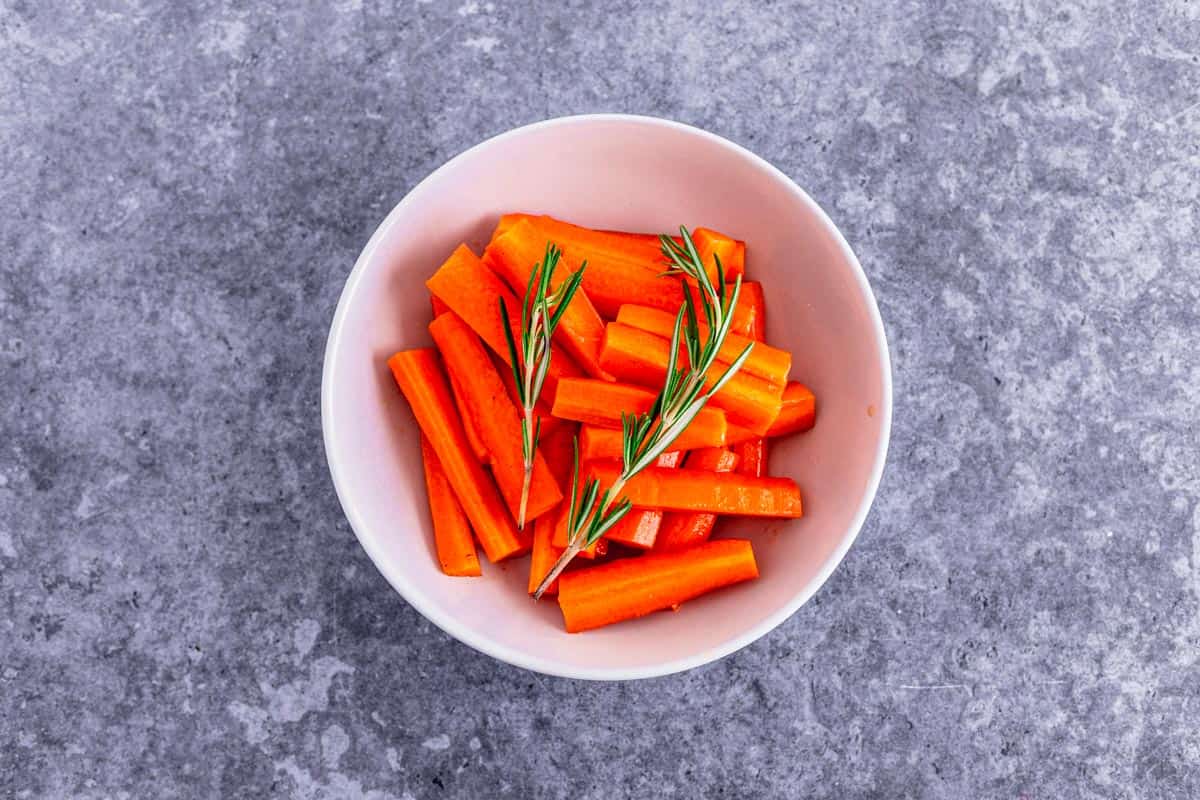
pixel 643 248
pixel 752 457
pixel 602 403
pixel 469 421
pixel 799 411
pixel 419 375
pixel 550 423
pixel 750 314
pixel 766 362
pixel 596 548
pixel 684 529
pixel 597 443
pixel 474 292
pixel 487 401
pixel 640 528
pixel 698 490
pixel 451 530
pixel 513 256
pixel 710 243
pixel 557 449
pixel 633 587
pixel 639 357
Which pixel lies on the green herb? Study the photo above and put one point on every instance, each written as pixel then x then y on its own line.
pixel 541 311
pixel 647 436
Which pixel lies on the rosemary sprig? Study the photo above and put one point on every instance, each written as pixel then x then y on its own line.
pixel 541 311
pixel 647 436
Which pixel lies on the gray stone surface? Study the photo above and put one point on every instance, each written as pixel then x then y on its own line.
pixel 184 610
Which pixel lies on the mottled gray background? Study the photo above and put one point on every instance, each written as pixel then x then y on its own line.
pixel 184 610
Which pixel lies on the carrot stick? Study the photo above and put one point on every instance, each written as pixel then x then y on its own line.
pixel 639 357
pixel 752 457
pixel 699 490
pixel 684 529
pixel 513 256
pixel 602 403
pixel 798 413
pixel 639 247
pixel 420 378
pixel 633 587
pixel 474 292
pixel 640 528
pixel 488 402
pixel 557 449
pixel 451 530
pixel 598 444
pixel 550 423
pixel 750 314
pixel 710 243
pixel 437 305
pixel 766 362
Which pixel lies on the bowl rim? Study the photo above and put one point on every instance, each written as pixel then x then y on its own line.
pixel 446 622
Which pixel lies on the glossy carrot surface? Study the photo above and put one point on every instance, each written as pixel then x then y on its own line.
pixel 419 376
pixel 639 529
pixel 699 490
pixel 602 403
pixel 451 530
pixel 557 448
pixel 798 413
pixel 633 587
pixel 682 529
pixel 484 394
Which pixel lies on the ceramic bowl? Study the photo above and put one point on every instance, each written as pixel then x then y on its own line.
pixel 629 173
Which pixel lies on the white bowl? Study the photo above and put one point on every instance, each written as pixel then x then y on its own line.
pixel 631 173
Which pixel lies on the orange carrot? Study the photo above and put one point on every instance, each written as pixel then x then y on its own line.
pixel 598 444
pixel 732 253
pixel 799 411
pixel 640 528
pixel 633 587
pixel 752 457
pixel 420 378
pixel 699 490
pixel 750 314
pixel 643 248
pixel 437 305
pixel 596 548
pixel 513 256
pixel 639 357
pixel 684 529
pixel 558 451
pixel 500 427
pixel 550 423
pixel 602 403
pixel 470 423
pixel 766 362
pixel 474 292
pixel 451 530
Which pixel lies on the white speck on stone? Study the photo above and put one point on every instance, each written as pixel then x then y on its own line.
pixel 10 673
pixel 6 545
pixel 474 744
pixel 467 9
pixel 26 739
pixel 304 637
pixel 334 744
pixel 439 742
pixel 393 759
pixel 254 720
pixel 378 719
pixel 484 44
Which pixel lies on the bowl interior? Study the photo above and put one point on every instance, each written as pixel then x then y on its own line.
pixel 620 173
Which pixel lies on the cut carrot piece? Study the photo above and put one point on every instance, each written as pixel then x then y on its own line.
pixel 488 402
pixel 451 529
pixel 710 243
pixel 598 444
pixel 639 247
pixel 752 457
pixel 766 362
pixel 750 314
pixel 437 305
pixel 640 528
pixel 602 403
pixel 633 587
pixel 684 529
pixel 513 256
pixel 420 378
pixel 698 490
pixel 474 292
pixel 639 357
pixel 799 411
pixel 469 421
pixel 557 448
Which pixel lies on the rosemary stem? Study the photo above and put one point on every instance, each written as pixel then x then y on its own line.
pixel 529 453
pixel 577 543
